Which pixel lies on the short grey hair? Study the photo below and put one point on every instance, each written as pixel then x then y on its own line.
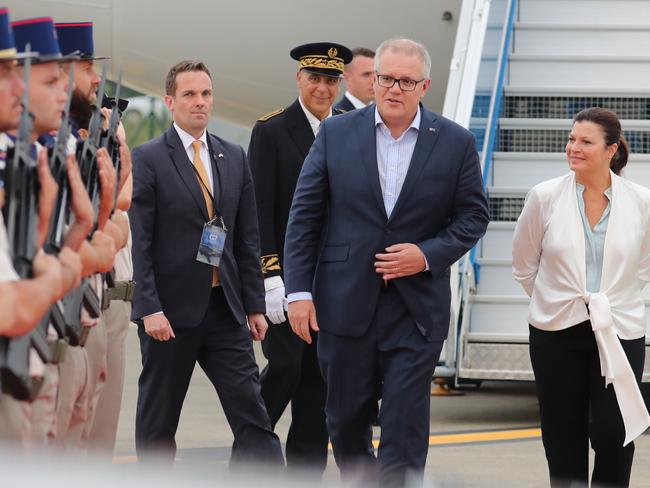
pixel 406 46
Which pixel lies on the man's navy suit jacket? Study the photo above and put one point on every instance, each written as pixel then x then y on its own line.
pixel 167 217
pixel 338 221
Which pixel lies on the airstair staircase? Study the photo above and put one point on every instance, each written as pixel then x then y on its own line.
pixel 563 56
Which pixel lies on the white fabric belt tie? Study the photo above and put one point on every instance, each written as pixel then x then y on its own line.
pixel 616 369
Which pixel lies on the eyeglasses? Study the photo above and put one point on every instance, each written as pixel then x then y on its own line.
pixel 404 84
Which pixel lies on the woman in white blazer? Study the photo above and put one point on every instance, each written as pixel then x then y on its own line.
pixel 581 251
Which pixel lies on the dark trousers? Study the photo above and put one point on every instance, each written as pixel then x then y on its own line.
pixel 575 407
pixel 292 375
pixel 391 361
pixel 224 350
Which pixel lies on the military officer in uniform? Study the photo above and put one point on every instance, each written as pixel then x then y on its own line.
pixel 279 143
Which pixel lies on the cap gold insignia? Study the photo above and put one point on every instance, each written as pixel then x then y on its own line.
pixel 332 52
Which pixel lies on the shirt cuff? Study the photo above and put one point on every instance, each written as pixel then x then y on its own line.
pixel 299 295
pixel 426 264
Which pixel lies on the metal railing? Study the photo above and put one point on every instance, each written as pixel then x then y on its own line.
pixel 491 130
pixel 471 273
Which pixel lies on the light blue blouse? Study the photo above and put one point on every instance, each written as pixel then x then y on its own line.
pixel 594 240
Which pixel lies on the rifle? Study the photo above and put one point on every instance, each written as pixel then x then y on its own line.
pixel 87 149
pixel 21 215
pixel 109 137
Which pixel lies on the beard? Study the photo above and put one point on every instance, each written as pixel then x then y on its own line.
pixel 81 109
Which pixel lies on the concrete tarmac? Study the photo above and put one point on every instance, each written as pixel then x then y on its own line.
pixel 488 437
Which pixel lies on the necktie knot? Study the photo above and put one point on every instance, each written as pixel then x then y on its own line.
pixel 197 147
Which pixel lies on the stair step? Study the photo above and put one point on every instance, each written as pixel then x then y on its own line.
pixel 550 135
pixel 510 169
pixel 507 314
pixel 554 90
pixel 587 12
pixel 495 278
pixel 628 72
pixel 497 242
pixel 541 105
pixel 581 39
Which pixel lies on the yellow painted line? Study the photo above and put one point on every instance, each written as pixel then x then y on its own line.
pixel 498 435
pixel 479 437
pixel 434 440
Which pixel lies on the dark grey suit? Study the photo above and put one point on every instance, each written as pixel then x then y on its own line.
pixel 167 218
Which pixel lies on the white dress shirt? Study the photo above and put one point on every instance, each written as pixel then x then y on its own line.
pixel 394 158
pixel 187 140
pixel 354 100
pixel 548 260
pixel 314 122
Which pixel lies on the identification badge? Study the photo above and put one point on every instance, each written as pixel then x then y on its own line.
pixel 212 243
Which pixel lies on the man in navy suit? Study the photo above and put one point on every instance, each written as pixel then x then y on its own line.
pixel 188 182
pixel 389 197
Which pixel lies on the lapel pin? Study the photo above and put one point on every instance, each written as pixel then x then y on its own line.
pixel 431 129
pixel 220 155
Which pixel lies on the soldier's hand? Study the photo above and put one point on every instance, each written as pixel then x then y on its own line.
pixel 107 179
pixel 46 197
pixel 258 326
pixel 125 196
pixel 45 265
pixel 71 269
pixel 106 112
pixel 126 164
pixel 302 317
pixel 80 205
pixel 105 250
pixel 158 327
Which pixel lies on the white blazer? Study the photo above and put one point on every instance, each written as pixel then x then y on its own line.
pixel 548 260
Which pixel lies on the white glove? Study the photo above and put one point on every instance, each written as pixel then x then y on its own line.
pixel 275 299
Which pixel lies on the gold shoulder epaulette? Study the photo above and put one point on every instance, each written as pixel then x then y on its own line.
pixel 270 262
pixel 268 116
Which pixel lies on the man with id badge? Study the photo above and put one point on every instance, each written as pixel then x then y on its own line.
pixel 197 261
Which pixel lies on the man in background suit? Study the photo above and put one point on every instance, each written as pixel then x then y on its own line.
pixel 279 144
pixel 359 76
pixel 388 199
pixel 186 181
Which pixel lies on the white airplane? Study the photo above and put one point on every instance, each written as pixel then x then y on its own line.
pixel 246 44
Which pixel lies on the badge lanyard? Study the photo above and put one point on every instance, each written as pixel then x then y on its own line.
pixel 213 238
pixel 214 202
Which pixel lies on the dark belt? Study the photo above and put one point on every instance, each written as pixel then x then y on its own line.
pixel 122 291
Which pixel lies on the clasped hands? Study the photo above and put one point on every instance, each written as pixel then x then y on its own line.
pixel 399 261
